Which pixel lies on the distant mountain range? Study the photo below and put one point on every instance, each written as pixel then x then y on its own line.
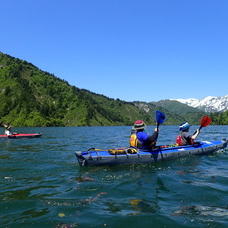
pixel 208 104
pixel 32 97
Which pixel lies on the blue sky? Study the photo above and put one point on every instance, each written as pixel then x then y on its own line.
pixel 144 50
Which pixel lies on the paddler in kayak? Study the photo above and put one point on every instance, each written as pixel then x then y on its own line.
pixel 185 138
pixel 140 139
pixel 8 130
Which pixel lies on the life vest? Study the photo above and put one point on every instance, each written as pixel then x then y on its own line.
pixel 134 142
pixel 182 142
pixel 179 140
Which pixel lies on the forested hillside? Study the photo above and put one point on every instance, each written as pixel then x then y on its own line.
pixel 32 97
pixel 220 118
pixel 191 114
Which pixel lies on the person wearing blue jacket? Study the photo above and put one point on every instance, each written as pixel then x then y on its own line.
pixel 140 139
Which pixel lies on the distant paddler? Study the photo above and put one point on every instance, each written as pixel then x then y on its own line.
pixel 8 130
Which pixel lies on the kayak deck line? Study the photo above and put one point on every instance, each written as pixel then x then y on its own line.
pixel 97 157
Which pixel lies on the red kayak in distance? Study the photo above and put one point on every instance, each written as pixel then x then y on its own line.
pixel 19 136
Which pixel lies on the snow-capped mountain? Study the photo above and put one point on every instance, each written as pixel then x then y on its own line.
pixel 207 104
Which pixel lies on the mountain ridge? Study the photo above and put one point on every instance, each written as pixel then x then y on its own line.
pixel 32 97
pixel 207 104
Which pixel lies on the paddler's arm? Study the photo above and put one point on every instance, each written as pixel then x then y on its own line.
pixel 195 134
pixel 152 138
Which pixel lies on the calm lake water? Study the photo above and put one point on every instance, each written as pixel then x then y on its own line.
pixel 42 184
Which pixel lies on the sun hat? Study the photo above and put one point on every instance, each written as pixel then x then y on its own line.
pixel 184 126
pixel 139 125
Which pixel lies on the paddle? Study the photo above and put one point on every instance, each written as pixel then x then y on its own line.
pixel 205 121
pixel 160 118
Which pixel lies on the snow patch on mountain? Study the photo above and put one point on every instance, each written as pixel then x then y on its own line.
pixel 207 104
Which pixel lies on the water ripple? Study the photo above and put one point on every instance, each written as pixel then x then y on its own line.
pixel 42 184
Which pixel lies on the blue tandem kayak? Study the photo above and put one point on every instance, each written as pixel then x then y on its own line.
pixel 97 157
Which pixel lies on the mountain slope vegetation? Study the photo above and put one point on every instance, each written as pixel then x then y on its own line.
pixel 191 114
pixel 32 97
pixel 220 118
